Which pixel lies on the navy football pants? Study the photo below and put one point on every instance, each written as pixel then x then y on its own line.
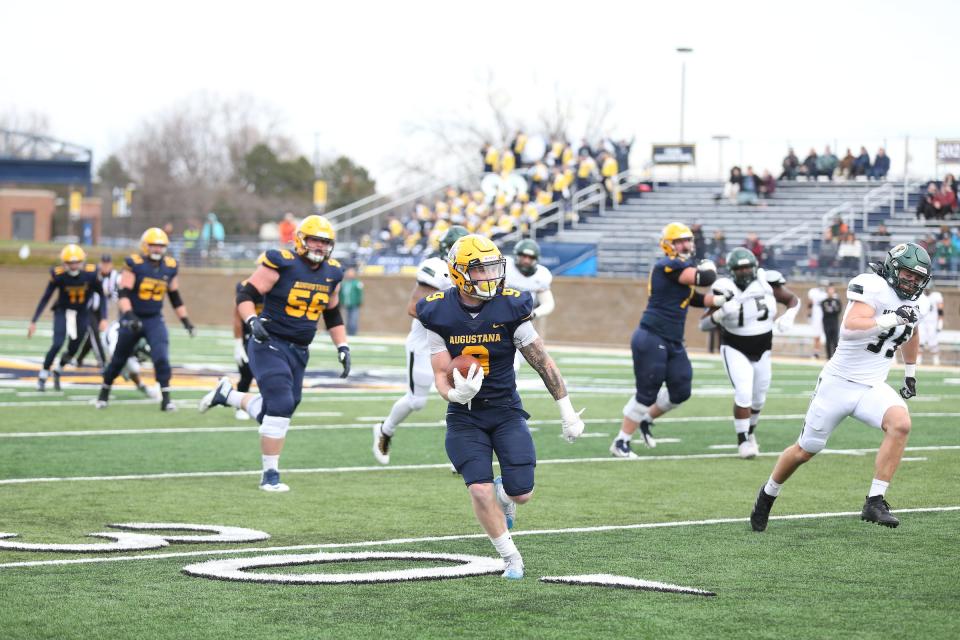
pixel 655 361
pixel 155 331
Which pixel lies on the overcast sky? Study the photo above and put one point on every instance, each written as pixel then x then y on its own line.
pixel 359 74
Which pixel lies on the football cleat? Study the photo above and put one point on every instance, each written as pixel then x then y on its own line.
pixel 509 508
pixel 752 439
pixel 381 444
pixel 241 414
pixel 876 509
pixel 514 570
pixel 621 449
pixel 761 510
pixel 100 404
pixel 746 450
pixel 270 481
pixel 103 398
pixel 645 431
pixel 217 397
pixel 167 405
pixel 56 380
pixel 41 384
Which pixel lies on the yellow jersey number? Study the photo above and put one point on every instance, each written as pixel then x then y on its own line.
pixel 77 295
pixel 481 353
pixel 302 302
pixel 152 289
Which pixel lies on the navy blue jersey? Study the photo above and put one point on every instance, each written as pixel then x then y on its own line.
pixel 152 280
pixel 488 337
pixel 73 292
pixel 666 312
pixel 292 308
pixel 257 307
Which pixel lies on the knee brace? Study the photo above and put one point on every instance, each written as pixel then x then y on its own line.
pixel 665 402
pixel 415 402
pixel 633 410
pixel 274 427
pixel 255 407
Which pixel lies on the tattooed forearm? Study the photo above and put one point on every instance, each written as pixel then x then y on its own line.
pixel 543 364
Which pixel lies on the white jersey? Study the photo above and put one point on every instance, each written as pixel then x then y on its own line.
pixel 867 360
pixel 929 305
pixel 752 310
pixel 432 272
pixel 816 296
pixel 540 280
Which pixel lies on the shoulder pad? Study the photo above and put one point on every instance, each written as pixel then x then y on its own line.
pixel 724 284
pixel 90 268
pixel 286 254
pixel 58 271
pixel 774 277
pixel 332 262
pixel 275 258
pixel 135 258
pixel 865 287
pixel 672 264
pixel 170 261
pixel 521 302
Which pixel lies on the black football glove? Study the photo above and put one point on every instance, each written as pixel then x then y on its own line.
pixel 907 314
pixel 343 355
pixel 191 330
pixel 257 330
pixel 130 322
pixel 909 388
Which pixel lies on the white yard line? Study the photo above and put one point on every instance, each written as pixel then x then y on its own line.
pixel 469 536
pixel 445 465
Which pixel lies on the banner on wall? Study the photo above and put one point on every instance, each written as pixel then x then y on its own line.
pixel 569 258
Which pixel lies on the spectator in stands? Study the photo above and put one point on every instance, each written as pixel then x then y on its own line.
pixel 749 188
pixel 491 158
pixel 755 246
pixel 850 253
pixel 732 187
pixel 212 236
pixel 517 145
pixel 191 243
pixel 881 165
pixel 929 244
pixel 608 171
pixel 861 165
pixel 838 229
pixel 846 165
pixel 880 240
pixel 827 256
pixel 827 163
pixel 286 229
pixel 621 151
pixel 791 164
pixel 508 162
pixel 586 171
pixel 809 166
pixel 945 258
pixel 955 241
pixel 947 198
pixel 585 148
pixel 950 181
pixel 929 206
pixel 699 242
pixel 767 185
pixel 351 296
pixel 718 248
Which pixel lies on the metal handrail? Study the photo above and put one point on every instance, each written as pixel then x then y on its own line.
pixel 845 210
pixel 376 211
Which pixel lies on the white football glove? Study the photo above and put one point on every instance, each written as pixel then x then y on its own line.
pixel 940 324
pixel 464 389
pixel 905 314
pixel 729 308
pixel 240 352
pixel 722 294
pixel 570 421
pixel 785 321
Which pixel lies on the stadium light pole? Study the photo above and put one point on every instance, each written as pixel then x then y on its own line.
pixel 720 140
pixel 683 96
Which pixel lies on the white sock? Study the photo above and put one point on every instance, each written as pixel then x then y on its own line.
pixel 44 374
pixel 772 488
pixel 254 406
pixel 754 418
pixel 398 413
pixel 741 425
pixel 624 436
pixel 878 488
pixel 270 462
pixel 234 398
pixel 504 545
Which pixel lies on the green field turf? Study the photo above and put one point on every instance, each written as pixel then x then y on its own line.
pixel 677 515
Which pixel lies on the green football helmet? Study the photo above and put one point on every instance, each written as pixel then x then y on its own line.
pixel 743 266
pixel 528 248
pixel 450 238
pixel 910 260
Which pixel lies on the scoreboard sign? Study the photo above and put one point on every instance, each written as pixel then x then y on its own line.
pixel 674 154
pixel 948 151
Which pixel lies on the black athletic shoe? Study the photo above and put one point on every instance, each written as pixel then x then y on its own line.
pixel 761 510
pixel 166 404
pixel 621 449
pixel 645 431
pixel 876 509
pixel 56 380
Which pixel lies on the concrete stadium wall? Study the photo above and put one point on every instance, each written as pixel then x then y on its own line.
pixel 590 311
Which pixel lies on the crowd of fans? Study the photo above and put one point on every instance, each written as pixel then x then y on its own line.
pixel 828 165
pixel 939 201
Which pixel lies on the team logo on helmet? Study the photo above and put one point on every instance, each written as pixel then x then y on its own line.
pixel 151 239
pixel 477 267
pixel 319 228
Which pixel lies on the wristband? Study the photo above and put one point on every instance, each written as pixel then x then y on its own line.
pixel 566 407
pixel 909 370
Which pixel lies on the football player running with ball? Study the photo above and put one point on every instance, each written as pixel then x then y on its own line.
pixel 526 273
pixel 432 276
pixel 658 353
pixel 482 318
pixel 148 276
pixel 297 289
pixel 75 283
pixel 880 318
pixel 746 323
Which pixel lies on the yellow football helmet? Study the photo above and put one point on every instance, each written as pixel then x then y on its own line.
pixel 672 232
pixel 314 227
pixel 477 267
pixel 72 254
pixel 153 236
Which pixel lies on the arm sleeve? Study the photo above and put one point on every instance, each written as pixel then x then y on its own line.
pixel 546 306
pixel 44 299
pixel 524 334
pixel 435 342
pixel 697 300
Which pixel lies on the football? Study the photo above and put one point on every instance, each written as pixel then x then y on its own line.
pixel 461 362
